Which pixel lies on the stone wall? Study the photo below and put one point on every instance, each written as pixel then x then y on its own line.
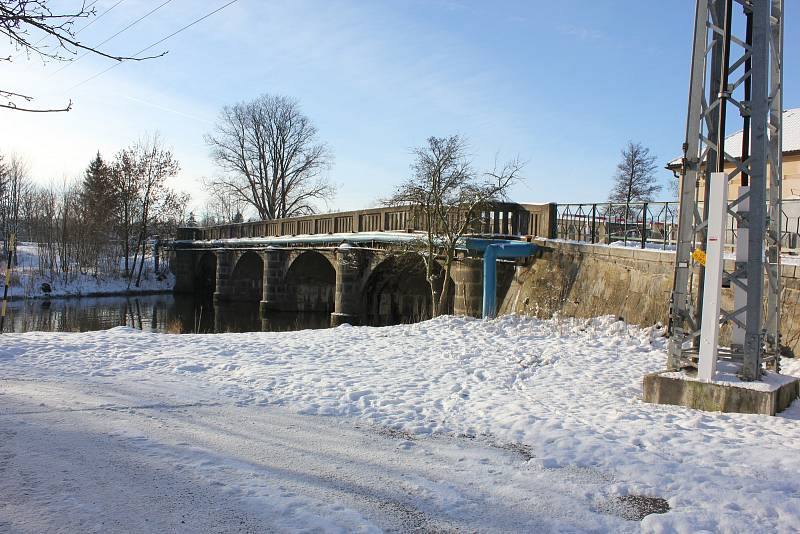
pixel 588 280
pixel 583 280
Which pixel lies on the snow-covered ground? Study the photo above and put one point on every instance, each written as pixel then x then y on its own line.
pixel 27 280
pixel 513 424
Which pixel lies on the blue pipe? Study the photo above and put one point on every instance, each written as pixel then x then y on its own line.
pixel 491 251
pixel 490 281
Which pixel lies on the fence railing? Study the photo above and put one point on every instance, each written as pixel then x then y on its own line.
pixel 507 219
pixel 643 224
pixel 651 224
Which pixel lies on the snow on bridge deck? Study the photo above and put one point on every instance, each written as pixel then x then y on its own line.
pixel 354 238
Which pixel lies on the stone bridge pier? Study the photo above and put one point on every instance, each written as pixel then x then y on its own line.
pixel 354 285
pixel 349 266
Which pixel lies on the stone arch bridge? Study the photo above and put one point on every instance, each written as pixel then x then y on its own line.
pixel 358 266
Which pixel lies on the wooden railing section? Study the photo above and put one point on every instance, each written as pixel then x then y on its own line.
pixel 508 219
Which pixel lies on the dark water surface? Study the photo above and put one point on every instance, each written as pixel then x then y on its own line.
pixel 179 314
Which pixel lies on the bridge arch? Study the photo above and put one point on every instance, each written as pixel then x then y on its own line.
pixel 247 278
pixel 206 274
pixel 397 291
pixel 310 283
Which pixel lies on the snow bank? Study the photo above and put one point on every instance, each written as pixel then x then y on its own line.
pixel 568 389
pixel 27 281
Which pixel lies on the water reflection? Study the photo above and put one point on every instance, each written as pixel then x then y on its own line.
pixel 154 313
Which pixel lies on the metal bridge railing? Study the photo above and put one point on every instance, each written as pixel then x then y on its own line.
pixel 642 224
pixel 651 224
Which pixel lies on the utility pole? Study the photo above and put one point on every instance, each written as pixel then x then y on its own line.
pixel 736 84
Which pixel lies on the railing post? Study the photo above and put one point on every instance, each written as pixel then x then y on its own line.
pixel 594 223
pixel 625 224
pixel 644 225
pixel 552 220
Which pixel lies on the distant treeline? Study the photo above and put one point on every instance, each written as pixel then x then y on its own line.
pixel 99 224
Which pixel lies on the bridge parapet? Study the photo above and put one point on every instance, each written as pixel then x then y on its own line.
pixel 508 219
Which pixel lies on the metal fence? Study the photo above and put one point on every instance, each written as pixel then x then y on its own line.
pixel 651 224
pixel 642 224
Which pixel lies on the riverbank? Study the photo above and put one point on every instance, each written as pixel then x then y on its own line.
pixel 28 282
pixel 87 291
pixel 540 420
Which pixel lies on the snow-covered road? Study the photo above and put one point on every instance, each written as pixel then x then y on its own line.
pixel 78 457
pixel 510 425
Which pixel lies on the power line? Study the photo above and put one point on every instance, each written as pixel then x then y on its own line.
pixel 98 17
pixel 126 28
pixel 143 50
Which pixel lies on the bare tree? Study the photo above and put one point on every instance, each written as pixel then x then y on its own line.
pixel 14 183
pixel 126 190
pixel 271 159
pixel 450 197
pixel 144 169
pixel 635 179
pixel 70 235
pixel 3 210
pixel 223 204
pixel 29 23
pixel 674 185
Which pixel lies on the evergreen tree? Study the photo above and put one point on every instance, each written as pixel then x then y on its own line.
pixel 97 191
pixel 97 202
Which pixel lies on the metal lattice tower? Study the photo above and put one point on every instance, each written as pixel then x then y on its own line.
pixel 736 84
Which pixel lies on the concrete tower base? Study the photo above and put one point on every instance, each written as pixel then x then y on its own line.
pixel 769 396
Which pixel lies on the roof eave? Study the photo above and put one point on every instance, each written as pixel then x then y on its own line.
pixel 676 164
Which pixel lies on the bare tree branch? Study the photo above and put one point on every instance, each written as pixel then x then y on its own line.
pixel 18 18
pixel 11 105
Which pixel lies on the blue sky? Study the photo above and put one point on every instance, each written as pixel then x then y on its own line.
pixel 563 85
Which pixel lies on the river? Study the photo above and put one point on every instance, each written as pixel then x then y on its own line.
pixel 177 314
